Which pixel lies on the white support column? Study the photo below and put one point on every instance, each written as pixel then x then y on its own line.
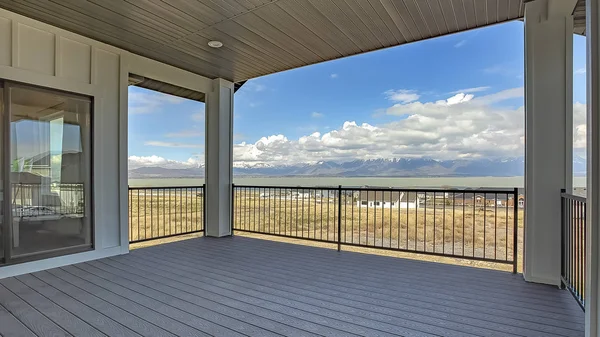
pixel 592 281
pixel 548 132
pixel 219 158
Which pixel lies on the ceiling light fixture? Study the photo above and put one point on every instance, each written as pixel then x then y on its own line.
pixel 215 44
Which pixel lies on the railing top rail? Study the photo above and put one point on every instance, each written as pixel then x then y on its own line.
pixel 573 197
pixel 374 188
pixel 289 187
pixel 161 187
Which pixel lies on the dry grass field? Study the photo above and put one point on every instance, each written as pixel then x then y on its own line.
pixel 158 213
pixel 469 231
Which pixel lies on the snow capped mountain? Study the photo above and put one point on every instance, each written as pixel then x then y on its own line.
pixel 396 167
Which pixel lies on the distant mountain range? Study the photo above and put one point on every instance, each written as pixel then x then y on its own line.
pixel 403 167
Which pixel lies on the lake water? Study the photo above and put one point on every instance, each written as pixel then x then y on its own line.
pixel 503 182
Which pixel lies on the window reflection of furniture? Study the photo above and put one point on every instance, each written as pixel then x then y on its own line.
pixel 37 203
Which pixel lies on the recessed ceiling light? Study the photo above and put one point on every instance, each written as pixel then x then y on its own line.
pixel 215 44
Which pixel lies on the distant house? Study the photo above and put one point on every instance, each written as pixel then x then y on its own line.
pixel 388 199
pixel 520 201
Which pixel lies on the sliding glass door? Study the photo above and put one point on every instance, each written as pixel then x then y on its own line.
pixel 47 173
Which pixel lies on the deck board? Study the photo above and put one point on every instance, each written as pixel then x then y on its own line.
pixel 243 286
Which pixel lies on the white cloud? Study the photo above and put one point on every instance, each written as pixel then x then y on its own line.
pixel 579 129
pixel 460 43
pixel 198 116
pixel 150 101
pixel 315 114
pixel 461 126
pixel 173 144
pixel 333 76
pixel 470 90
pixel 580 71
pixel 402 95
pixel 149 161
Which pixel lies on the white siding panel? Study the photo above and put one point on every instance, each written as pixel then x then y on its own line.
pixel 75 60
pixel 36 49
pixel 106 165
pixel 5 42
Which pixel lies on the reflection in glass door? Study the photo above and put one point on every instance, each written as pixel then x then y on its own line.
pixel 47 187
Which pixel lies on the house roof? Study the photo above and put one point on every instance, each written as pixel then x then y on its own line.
pixel 387 196
pixel 264 36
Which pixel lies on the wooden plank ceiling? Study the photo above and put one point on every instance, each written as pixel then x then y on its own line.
pixel 262 36
pixel 579 18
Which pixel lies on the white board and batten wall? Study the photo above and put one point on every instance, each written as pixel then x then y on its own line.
pixel 35 53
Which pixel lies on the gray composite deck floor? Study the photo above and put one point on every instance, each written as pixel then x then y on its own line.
pixel 244 286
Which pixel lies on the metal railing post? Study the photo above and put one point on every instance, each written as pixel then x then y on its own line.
pixel 204 209
pixel 563 222
pixel 339 223
pixel 516 229
pixel 232 208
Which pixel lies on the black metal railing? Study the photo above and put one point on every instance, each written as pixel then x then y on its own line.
pixel 30 201
pixel 160 212
pixel 471 224
pixel 573 245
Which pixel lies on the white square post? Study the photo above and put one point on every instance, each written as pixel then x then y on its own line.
pixel 219 158
pixel 592 281
pixel 548 133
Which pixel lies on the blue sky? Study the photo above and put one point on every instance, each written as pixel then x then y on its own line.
pixel 454 96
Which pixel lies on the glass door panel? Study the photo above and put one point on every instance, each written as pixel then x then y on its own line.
pixel 49 171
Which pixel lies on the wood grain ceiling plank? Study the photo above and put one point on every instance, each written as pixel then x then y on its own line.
pixel 487 11
pixel 399 12
pixel 438 16
pixel 199 43
pixel 276 37
pixel 174 14
pixel 251 55
pixel 383 24
pixel 421 24
pixel 469 10
pixel 394 24
pixel 357 18
pixel 521 8
pixel 291 26
pixel 204 11
pixel 374 23
pixel 65 12
pixel 480 12
pixel 231 7
pixel 257 3
pixel 339 19
pixel 245 4
pixel 270 60
pixel 460 14
pixel 503 10
pixel 449 15
pixel 111 17
pixel 221 60
pixel 155 18
pixel 242 34
pixel 318 23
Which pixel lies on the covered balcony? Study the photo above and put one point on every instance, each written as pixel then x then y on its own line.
pixel 487 262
